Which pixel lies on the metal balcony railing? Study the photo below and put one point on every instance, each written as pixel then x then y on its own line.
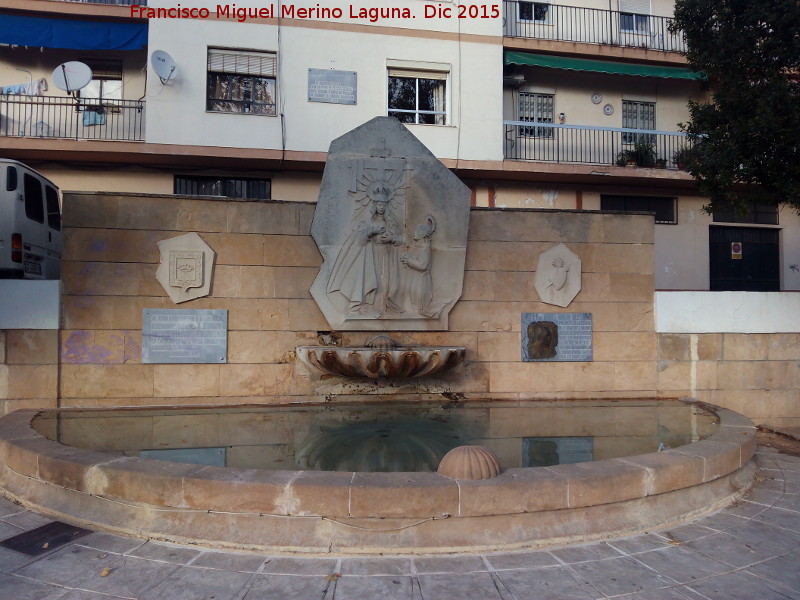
pixel 71 118
pixel 548 142
pixel 545 21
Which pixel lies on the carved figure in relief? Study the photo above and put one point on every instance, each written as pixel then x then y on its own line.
pixel 418 261
pixel 558 274
pixel 367 268
pixel 542 339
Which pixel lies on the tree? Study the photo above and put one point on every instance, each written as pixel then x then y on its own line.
pixel 749 131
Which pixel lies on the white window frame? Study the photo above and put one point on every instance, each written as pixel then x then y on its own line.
pixel 632 138
pixel 415 74
pixel 547 16
pixel 257 66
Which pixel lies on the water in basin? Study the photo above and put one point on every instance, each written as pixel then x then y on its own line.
pixel 396 436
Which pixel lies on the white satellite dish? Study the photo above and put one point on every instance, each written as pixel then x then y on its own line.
pixel 163 65
pixel 72 76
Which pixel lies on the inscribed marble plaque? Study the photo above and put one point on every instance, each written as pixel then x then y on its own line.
pixel 184 335
pixel 557 337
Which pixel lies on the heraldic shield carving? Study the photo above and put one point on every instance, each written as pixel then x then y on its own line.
pixel 391 223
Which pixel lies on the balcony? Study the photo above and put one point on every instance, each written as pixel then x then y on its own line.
pixel 71 118
pixel 553 22
pixel 576 144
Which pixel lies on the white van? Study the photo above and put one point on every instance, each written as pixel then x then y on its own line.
pixel 30 224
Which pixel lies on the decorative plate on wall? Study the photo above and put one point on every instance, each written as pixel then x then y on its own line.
pixel 608 109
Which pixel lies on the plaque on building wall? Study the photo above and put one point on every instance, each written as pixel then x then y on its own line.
pixel 184 336
pixel 332 86
pixel 557 337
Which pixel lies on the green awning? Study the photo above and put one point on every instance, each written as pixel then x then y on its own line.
pixel 597 66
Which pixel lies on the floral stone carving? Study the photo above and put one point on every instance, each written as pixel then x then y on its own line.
pixel 391 224
pixel 187 263
pixel 558 276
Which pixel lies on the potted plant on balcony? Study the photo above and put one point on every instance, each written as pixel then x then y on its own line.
pixel 681 157
pixel 644 154
pixel 625 157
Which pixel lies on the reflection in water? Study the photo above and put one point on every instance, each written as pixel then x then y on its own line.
pixel 399 444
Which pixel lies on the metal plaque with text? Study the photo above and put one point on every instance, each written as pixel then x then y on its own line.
pixel 184 335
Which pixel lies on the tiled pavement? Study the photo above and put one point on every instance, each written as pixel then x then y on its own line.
pixel 748 551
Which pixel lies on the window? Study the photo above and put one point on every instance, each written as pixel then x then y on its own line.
pixel 241 81
pixel 638 115
pixel 227 187
pixel 418 96
pixel 534 11
pixel 11 179
pixel 53 208
pixel 106 83
pixel 536 108
pixel 634 16
pixel 762 214
pixel 34 207
pixel 664 207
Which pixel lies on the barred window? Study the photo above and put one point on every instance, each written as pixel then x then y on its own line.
pixel 663 207
pixel 536 108
pixel 226 187
pixel 638 115
pixel 241 81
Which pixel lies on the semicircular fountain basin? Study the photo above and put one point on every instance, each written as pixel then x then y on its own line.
pixel 386 362
pixel 90 467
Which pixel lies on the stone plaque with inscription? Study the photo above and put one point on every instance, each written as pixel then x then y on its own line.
pixel 184 336
pixel 332 86
pixel 557 337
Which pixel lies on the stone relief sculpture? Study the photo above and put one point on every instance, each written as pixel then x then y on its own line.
pixel 391 224
pixel 418 260
pixel 558 276
pixel 186 266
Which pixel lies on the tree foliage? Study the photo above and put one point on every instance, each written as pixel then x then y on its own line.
pixel 749 131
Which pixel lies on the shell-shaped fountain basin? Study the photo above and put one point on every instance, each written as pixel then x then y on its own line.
pixel 378 362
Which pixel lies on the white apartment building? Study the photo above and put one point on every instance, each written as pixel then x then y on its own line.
pixel 532 104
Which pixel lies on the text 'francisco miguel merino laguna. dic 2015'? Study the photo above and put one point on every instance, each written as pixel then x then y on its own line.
pixel 293 11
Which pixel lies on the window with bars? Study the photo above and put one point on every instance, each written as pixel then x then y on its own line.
pixel 226 187
pixel 241 81
pixel 534 11
pixel 761 214
pixel 418 96
pixel 638 115
pixel 536 108
pixel 663 207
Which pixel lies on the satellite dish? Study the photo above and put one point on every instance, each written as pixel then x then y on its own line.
pixel 72 76
pixel 163 65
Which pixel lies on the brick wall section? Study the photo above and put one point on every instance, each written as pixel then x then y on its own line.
pixel 756 374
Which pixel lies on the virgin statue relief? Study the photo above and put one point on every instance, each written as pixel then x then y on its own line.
pixel 367 268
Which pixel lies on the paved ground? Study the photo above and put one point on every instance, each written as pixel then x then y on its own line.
pixel 749 551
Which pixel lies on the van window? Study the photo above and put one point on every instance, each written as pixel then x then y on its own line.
pixel 34 206
pixel 11 179
pixel 53 211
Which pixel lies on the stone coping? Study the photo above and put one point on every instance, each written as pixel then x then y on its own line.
pixel 315 511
